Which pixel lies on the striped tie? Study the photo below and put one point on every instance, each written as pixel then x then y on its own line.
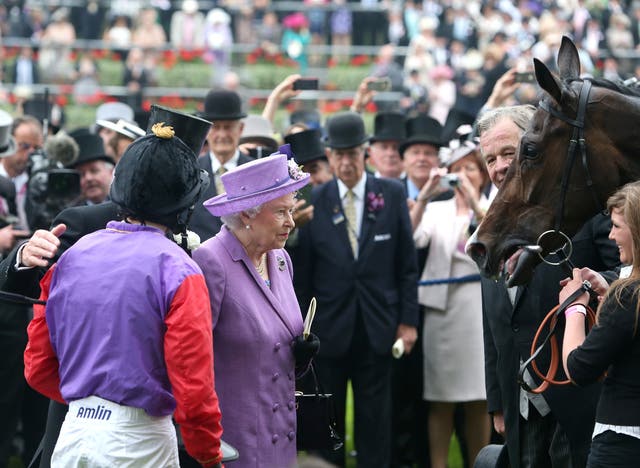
pixel 219 187
pixel 350 214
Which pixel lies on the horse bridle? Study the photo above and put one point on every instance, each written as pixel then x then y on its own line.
pixel 576 144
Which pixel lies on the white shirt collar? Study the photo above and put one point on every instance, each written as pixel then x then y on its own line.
pixel 358 189
pixel 230 164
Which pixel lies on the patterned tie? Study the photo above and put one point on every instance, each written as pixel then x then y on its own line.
pixel 350 214
pixel 219 187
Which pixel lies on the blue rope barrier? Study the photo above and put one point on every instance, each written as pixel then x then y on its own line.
pixel 460 279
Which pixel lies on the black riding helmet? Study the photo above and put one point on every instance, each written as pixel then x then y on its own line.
pixel 158 180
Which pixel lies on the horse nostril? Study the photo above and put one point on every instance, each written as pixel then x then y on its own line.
pixel 478 253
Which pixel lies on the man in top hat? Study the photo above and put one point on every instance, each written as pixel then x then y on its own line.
pixel 356 257
pixel 21 270
pixel 388 133
pixel 224 110
pixel 420 151
pixel 309 152
pixel 95 168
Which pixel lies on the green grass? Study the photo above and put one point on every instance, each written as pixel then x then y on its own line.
pixel 455 456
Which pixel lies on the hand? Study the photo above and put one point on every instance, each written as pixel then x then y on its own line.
pixel 503 89
pixel 432 187
pixel 363 95
pixel 9 236
pixel 571 286
pixel 42 247
pixel 285 90
pixel 409 335
pixel 498 423
pixel 598 283
pixel 302 216
pixel 304 350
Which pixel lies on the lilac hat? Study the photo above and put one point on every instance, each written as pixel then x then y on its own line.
pixel 257 182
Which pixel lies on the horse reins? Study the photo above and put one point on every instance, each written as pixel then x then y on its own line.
pixel 555 359
pixel 577 145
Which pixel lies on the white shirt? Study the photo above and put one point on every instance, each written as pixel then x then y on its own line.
pixel 358 192
pixel 230 164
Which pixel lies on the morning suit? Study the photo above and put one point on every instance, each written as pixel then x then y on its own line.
pixel 253 327
pixel 508 333
pixel 360 303
pixel 202 222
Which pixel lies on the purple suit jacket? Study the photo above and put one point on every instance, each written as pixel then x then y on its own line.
pixel 253 328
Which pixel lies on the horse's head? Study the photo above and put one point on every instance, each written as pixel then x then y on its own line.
pixel 579 147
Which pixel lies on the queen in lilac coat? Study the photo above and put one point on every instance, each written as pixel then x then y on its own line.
pixel 256 316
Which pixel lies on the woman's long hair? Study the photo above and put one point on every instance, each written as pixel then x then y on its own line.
pixel 627 201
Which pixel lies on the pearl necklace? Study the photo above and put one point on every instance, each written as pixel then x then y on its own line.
pixel 261 265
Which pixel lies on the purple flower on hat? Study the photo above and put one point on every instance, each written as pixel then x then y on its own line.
pixel 295 171
pixel 374 202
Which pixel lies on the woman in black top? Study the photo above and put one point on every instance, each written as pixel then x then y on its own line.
pixel 613 344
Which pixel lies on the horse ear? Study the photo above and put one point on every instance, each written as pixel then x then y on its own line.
pixel 568 59
pixel 547 80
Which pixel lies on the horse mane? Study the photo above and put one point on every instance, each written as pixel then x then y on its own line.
pixel 617 86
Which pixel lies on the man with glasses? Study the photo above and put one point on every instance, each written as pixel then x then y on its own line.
pixel 27 133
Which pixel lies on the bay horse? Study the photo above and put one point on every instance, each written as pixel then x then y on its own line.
pixel 581 145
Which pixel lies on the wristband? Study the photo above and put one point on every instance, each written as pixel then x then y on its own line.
pixel 575 309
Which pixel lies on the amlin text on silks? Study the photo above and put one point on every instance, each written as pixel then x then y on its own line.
pixel 94 413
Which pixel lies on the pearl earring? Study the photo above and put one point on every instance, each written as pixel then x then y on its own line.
pixel 248 227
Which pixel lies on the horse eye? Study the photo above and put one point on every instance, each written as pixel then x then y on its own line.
pixel 530 151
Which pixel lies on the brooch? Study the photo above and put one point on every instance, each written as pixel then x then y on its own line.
pixel 281 264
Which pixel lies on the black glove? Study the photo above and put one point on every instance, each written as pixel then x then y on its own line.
pixel 304 351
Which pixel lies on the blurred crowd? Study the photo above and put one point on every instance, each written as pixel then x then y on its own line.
pixel 429 44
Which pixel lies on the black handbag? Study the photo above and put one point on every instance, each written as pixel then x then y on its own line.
pixel 317 429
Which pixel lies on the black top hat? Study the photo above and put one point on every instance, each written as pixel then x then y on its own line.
pixel 389 126
pixel 455 119
pixel 306 145
pixel 345 130
pixel 422 129
pixel 91 148
pixel 222 105
pixel 158 179
pixel 192 130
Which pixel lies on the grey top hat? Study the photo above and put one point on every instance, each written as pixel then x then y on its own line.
pixel 7 143
pixel 221 104
pixel 345 130
pixel 258 129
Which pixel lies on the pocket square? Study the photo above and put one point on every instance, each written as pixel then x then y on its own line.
pixel 381 237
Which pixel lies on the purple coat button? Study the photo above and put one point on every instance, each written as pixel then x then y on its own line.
pixel 275 376
pixel 274 438
pixel 277 346
pixel 291 435
pixel 291 405
pixel 276 407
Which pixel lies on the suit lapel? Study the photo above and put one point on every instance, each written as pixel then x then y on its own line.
pixel 238 254
pixel 368 218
